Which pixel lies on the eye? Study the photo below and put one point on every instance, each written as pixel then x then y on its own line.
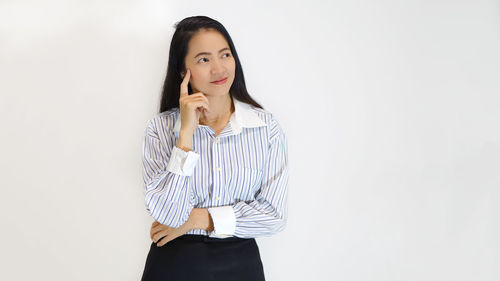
pixel 228 55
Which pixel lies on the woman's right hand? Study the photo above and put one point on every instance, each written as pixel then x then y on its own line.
pixel 191 106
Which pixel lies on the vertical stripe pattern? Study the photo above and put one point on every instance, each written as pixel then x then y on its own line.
pixel 248 171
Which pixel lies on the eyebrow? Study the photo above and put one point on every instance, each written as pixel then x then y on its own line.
pixel 205 53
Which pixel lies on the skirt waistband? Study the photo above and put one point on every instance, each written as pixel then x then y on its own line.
pixel 205 238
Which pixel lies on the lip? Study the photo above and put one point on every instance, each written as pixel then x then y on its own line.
pixel 219 82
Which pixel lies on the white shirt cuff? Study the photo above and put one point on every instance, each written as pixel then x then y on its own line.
pixel 182 162
pixel 224 221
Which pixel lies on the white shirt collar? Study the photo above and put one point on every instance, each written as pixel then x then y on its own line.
pixel 242 117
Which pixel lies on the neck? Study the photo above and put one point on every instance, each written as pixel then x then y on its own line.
pixel 221 108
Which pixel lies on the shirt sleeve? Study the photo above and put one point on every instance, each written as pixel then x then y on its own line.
pixel 167 177
pixel 267 214
pixel 224 221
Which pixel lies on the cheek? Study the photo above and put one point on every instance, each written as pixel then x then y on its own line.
pixel 197 77
pixel 200 75
pixel 199 80
pixel 233 65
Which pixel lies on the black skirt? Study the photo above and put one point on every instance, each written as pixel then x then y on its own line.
pixel 202 258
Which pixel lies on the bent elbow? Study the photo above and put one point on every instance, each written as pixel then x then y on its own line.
pixel 279 225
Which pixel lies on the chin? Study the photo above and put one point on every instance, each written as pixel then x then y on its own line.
pixel 217 92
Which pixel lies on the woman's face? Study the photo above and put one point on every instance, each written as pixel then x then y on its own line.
pixel 214 63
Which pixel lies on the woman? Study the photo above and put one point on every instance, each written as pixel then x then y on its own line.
pixel 215 164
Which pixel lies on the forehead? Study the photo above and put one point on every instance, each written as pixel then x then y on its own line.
pixel 207 41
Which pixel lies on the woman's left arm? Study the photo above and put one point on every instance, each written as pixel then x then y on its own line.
pixel 267 214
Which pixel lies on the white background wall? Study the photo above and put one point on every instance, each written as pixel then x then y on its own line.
pixel 391 108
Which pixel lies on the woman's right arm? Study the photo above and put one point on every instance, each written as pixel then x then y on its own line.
pixel 168 168
pixel 167 177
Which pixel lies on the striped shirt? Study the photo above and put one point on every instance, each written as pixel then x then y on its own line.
pixel 240 175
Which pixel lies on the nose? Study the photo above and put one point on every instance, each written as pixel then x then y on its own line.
pixel 217 68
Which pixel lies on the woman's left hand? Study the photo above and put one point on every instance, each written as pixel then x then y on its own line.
pixel 159 231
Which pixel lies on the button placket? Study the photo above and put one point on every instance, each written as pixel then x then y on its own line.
pixel 218 170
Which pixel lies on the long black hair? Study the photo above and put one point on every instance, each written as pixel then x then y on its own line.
pixel 184 31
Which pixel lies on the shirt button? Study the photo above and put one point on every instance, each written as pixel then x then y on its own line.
pixel 216 140
pixel 217 198
pixel 218 169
